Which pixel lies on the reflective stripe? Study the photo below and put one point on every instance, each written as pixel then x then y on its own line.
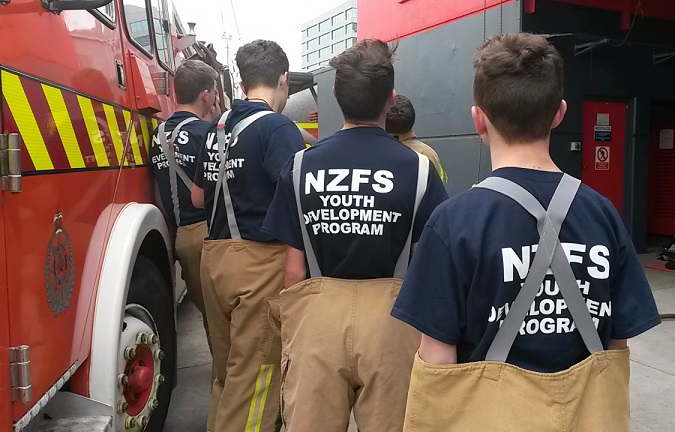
pixel 133 140
pixel 95 137
pixel 25 120
pixel 257 408
pixel 146 134
pixel 64 125
pixel 115 134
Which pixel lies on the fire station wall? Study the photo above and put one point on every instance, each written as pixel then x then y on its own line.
pixel 435 70
pixel 624 73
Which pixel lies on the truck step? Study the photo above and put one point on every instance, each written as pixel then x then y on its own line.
pixel 69 412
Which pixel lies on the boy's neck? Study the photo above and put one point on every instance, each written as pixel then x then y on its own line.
pixel 267 95
pixel 531 155
pixel 191 108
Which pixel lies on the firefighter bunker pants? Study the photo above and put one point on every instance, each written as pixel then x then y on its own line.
pixel 189 242
pixel 342 350
pixel 238 278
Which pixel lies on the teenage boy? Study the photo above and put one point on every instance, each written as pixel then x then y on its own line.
pixel 400 122
pixel 352 205
pixel 243 267
pixel 583 289
pixel 174 159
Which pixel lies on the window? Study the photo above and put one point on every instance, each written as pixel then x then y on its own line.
pixel 313 56
pixel 312 30
pixel 312 44
pixel 324 52
pixel 108 11
pixel 339 47
pixel 350 42
pixel 351 27
pixel 323 25
pixel 338 33
pixel 136 17
pixel 160 19
pixel 324 39
pixel 351 13
pixel 337 19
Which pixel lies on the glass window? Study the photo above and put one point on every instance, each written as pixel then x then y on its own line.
pixel 312 30
pixel 313 56
pixel 108 11
pixel 314 43
pixel 337 19
pixel 324 39
pixel 351 13
pixel 350 42
pixel 338 33
pixel 160 19
pixel 324 52
pixel 323 25
pixel 351 27
pixel 136 17
pixel 339 47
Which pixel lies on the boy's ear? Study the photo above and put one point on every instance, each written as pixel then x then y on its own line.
pixel 242 87
pixel 479 120
pixel 560 115
pixel 284 79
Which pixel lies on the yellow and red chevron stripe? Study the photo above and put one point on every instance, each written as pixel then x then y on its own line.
pixel 62 130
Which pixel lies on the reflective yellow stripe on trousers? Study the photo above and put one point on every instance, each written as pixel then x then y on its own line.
pixel 262 386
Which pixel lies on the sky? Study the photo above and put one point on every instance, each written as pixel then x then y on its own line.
pixel 276 20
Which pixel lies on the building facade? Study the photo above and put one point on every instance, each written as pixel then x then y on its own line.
pixel 328 35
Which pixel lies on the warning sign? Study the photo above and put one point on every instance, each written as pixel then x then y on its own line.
pixel 602 158
pixel 602 133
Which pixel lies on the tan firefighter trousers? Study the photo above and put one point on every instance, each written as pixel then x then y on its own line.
pixel 238 278
pixel 341 350
pixel 591 396
pixel 189 242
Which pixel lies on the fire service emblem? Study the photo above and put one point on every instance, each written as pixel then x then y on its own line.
pixel 59 268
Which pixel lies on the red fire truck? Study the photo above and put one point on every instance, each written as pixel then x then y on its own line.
pixel 87 297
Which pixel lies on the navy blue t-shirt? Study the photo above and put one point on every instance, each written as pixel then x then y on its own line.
pixel 358 194
pixel 187 147
pixel 254 164
pixel 475 253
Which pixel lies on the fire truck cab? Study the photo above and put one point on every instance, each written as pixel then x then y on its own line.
pixel 87 290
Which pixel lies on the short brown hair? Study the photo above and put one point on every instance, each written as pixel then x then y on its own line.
pixel 192 78
pixel 519 85
pixel 261 63
pixel 364 79
pixel 401 117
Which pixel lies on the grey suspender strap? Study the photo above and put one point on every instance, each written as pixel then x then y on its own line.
pixel 402 263
pixel 550 254
pixel 312 263
pixel 224 145
pixel 422 179
pixel 174 168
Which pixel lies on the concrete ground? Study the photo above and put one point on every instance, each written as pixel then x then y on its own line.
pixel 652 367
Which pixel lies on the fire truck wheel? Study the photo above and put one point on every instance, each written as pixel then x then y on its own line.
pixel 149 291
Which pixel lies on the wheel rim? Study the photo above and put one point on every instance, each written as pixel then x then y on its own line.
pixel 139 366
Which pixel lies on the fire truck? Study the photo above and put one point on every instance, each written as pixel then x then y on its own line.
pixel 87 289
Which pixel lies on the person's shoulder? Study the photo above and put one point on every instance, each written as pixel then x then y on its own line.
pixel 275 120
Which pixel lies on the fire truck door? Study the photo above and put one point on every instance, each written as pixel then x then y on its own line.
pixel 49 221
pixel 5 384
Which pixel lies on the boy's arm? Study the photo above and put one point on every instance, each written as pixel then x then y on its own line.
pixel 617 344
pixel 295 266
pixel 437 352
pixel 197 195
